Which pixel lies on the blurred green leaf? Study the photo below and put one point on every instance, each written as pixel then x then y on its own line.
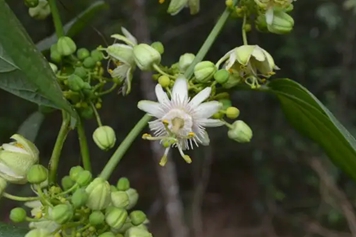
pixel 311 118
pixel 33 79
pixel 6 63
pixel 13 231
pixel 76 25
pixel 30 127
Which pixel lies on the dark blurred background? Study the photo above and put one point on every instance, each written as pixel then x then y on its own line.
pixel 280 184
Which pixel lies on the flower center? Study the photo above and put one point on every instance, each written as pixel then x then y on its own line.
pixel 177 124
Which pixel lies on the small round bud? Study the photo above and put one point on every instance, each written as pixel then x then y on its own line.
pixel 133 197
pixel 145 56
pixel 79 198
pixel 89 62
pixel 66 46
pixel 18 214
pixel 82 53
pixel 107 234
pixel 221 76
pixel 123 184
pixel 37 174
pixel 81 72
pixel 218 115
pixel 53 67
pixel 232 112
pixel 84 178
pixel 54 55
pixel 74 172
pixel 120 199
pixel 96 218
pixel 247 27
pixel 31 3
pixel 104 137
pixel 204 71
pixel 226 103
pixel 240 132
pixel 164 81
pixel 137 231
pixel 99 194
pixel 41 11
pixel 86 113
pixel 137 217
pixel 185 61
pixel 67 182
pixel 282 23
pixel 116 217
pixel 61 213
pixel 75 83
pixel 97 55
pixel 39 233
pixel 158 46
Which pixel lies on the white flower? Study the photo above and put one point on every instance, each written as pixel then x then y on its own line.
pixel 180 121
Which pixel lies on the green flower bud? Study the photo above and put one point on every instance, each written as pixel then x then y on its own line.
pixel 41 11
pixel 97 55
pixel 104 137
pixel 31 3
pixel 86 113
pixel 81 72
pixel 204 71
pixel 107 234
pixel 122 53
pixel 232 82
pixel 39 233
pixel 66 46
pixel 99 194
pixel 79 198
pixel 37 174
pixel 137 232
pixel 176 6
pixel 67 182
pixel 120 199
pixel 145 56
pixel 96 218
pixel 116 217
pixel 123 184
pixel 18 214
pixel 61 213
pixel 282 23
pixel 185 61
pixel 232 112
pixel 221 76
pixel 137 217
pixel 54 55
pixel 158 46
pixel 261 24
pixel 84 178
pixel 16 158
pixel 164 81
pixel 226 103
pixel 113 188
pixel 89 62
pixel 240 132
pixel 133 197
pixel 53 67
pixel 127 225
pixel 74 172
pixel 82 53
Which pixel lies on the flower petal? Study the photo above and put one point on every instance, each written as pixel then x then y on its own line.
pixel 150 107
pixel 210 122
pixel 13 148
pixel 269 16
pixel 162 96
pixel 200 97
pixel 129 36
pixel 180 89
pixel 207 109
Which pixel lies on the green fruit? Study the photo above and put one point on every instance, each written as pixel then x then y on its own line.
pixel 89 62
pixel 18 214
pixel 83 53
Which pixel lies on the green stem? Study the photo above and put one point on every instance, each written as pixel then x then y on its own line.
pixel 125 144
pixel 97 116
pixel 84 150
pixel 120 151
pixel 62 135
pixel 56 18
pixel 244 36
pixel 20 199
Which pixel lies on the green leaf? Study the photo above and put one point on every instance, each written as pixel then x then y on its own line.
pixel 30 127
pixel 76 25
pixel 311 118
pixel 10 230
pixel 31 78
pixel 6 63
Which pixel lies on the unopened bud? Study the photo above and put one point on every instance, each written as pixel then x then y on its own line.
pixel 84 178
pixel 116 217
pixel 66 46
pixel 133 197
pixel 41 11
pixel 61 213
pixel 232 112
pixel 96 218
pixel 74 172
pixel 240 132
pixel 123 184
pixel 104 137
pixel 137 217
pixel 164 81
pixel 221 76
pixel 98 194
pixel 18 214
pixel 204 71
pixel 120 199
pixel 37 174
pixel 158 46
pixel 185 61
pixel 146 56
pixel 79 198
pixel 67 182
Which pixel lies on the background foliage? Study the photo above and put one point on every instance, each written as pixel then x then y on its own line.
pixel 280 184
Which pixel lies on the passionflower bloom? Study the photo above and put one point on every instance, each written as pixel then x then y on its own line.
pixel 181 121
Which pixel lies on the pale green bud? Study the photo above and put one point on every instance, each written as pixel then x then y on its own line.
pixel 104 137
pixel 79 198
pixel 37 174
pixel 282 23
pixel 137 217
pixel 164 81
pixel 185 61
pixel 120 199
pixel 66 46
pixel 83 53
pixel 18 214
pixel 16 158
pixel 137 232
pixel 84 178
pixel 133 197
pixel 232 112
pixel 146 56
pixel 67 182
pixel 240 132
pixel 96 218
pixel 204 71
pixel 74 172
pixel 221 76
pixel 122 53
pixel 123 184
pixel 98 194
pixel 158 46
pixel 61 213
pixel 41 11
pixel 75 83
pixel 116 217
pixel 53 67
pixel 39 233
pixel 176 6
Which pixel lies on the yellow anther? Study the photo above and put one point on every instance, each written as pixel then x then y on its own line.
pixel 191 135
pixel 110 71
pixel 118 63
pixel 38 215
pixel 187 159
pixel 146 136
pixel 163 161
pixel 19 145
pixel 161 1
pixel 165 122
